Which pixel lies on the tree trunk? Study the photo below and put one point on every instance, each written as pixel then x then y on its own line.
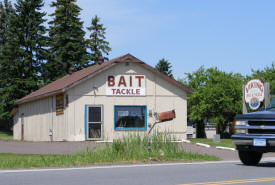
pixel 200 130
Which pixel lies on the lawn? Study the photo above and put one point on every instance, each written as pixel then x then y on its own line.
pixel 130 149
pixel 223 142
pixel 5 135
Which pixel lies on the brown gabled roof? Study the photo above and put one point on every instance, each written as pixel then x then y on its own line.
pixel 68 81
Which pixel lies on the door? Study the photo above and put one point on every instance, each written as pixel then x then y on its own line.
pixel 95 122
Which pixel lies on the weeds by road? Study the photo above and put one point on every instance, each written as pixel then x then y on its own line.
pixel 128 149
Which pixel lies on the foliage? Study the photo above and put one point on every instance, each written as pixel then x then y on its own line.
pixel 22 54
pixel 268 75
pixel 132 149
pixel 30 59
pixel 216 95
pixel 67 43
pixel 6 10
pixel 97 43
pixel 165 67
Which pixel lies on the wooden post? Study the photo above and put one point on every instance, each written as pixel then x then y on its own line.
pixel 244 103
pixel 266 94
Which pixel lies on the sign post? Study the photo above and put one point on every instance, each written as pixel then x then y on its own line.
pixel 161 117
pixel 267 94
pixel 244 104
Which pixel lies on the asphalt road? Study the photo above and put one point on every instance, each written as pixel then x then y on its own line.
pixel 156 174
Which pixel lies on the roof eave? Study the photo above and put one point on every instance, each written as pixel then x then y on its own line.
pixel 124 59
pixel 18 102
pixel 89 76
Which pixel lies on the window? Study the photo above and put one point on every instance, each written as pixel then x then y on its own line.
pixel 130 117
pixel 60 104
pixel 67 100
pixel 94 122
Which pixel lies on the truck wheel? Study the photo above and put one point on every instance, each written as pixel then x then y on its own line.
pixel 250 157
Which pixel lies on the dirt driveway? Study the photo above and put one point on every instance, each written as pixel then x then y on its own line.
pixel 47 147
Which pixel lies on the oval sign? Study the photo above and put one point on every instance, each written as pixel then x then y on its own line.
pixel 254 93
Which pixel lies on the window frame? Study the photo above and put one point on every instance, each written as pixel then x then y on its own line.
pixel 57 109
pixel 131 128
pixel 86 124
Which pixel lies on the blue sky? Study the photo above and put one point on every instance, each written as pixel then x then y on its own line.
pixel 233 35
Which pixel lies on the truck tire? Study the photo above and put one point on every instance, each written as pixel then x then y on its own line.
pixel 250 157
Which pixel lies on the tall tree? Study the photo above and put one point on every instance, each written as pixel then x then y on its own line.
pixel 6 10
pixel 268 75
pixel 67 43
pixel 165 67
pixel 97 43
pixel 216 96
pixel 23 53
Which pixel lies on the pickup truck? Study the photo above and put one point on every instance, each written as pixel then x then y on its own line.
pixel 255 134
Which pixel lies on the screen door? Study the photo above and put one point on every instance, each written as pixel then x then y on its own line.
pixel 95 122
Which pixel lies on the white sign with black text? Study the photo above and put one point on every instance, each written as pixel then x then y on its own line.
pixel 126 85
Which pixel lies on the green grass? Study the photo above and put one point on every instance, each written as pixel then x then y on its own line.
pixel 223 142
pixel 129 149
pixel 5 135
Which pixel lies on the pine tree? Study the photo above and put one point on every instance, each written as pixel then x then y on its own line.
pixel 165 67
pixel 97 43
pixel 67 43
pixel 6 10
pixel 23 53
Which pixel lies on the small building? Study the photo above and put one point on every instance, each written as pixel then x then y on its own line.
pixel 102 102
pixel 191 130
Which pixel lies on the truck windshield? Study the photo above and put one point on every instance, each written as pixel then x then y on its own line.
pixel 271 105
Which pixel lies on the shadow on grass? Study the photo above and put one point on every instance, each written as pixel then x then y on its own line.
pixel 9 133
pixel 6 135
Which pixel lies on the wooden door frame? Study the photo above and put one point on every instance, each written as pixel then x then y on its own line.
pixel 87 123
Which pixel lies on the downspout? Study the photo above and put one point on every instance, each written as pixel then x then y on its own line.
pixel 51 129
